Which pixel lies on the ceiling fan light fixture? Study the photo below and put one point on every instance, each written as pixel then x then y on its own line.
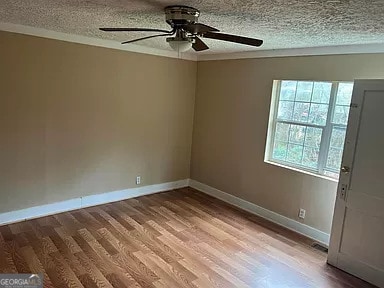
pixel 180 45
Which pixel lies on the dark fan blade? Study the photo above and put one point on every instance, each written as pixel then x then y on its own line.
pixel 198 28
pixel 133 29
pixel 234 38
pixel 148 37
pixel 199 45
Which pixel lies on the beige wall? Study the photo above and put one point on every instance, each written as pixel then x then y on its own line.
pixel 230 127
pixel 77 120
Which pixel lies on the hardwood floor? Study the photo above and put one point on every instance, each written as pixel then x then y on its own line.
pixel 180 238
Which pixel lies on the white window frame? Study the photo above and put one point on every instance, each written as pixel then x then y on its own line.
pixel 325 138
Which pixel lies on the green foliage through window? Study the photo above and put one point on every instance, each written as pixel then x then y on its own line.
pixel 309 126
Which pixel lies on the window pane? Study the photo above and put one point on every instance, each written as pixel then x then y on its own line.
pixel 340 116
pixel 297 134
pixel 334 158
pixel 338 137
pixel 313 137
pixel 303 103
pixel 285 110
pixel 295 153
pixel 310 157
pixel 304 91
pixel 282 131
pixel 321 92
pixel 344 94
pixel 318 114
pixel 300 114
pixel 288 90
pixel 279 150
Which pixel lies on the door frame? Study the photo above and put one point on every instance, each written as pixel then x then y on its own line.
pixel 351 140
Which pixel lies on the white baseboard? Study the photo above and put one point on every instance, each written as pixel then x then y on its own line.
pixel 274 217
pixel 87 201
pixel 92 200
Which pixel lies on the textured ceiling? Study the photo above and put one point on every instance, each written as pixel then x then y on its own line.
pixel 280 23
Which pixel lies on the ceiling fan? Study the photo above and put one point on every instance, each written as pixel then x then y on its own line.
pixel 186 31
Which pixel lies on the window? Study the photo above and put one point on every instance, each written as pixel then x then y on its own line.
pixel 308 125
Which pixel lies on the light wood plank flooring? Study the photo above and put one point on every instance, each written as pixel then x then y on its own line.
pixel 180 238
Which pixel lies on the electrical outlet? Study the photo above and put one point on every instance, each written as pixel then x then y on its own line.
pixel 302 213
pixel 138 180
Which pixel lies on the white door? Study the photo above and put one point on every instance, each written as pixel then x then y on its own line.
pixel 357 238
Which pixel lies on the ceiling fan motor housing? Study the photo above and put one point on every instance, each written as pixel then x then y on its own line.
pixel 179 15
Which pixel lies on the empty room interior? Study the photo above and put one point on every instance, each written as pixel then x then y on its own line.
pixel 154 143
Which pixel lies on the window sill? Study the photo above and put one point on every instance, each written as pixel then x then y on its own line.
pixel 302 171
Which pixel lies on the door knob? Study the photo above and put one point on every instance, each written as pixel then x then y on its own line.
pixel 345 169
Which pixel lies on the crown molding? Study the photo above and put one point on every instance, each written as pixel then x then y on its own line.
pixel 44 33
pixel 313 51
